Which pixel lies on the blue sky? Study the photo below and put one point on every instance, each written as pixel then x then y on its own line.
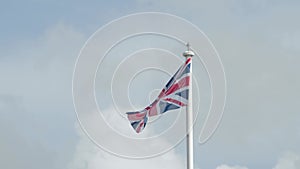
pixel 258 42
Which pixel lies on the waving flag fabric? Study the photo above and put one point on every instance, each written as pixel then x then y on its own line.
pixel 173 96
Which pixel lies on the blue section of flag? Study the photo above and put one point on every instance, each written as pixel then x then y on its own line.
pixel 184 93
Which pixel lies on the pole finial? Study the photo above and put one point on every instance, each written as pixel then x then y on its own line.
pixel 189 52
pixel 188 46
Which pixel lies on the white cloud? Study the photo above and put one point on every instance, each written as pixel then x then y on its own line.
pixel 289 160
pixel 230 167
pixel 35 100
pixel 88 156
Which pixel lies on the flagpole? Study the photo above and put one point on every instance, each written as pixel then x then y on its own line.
pixel 189 115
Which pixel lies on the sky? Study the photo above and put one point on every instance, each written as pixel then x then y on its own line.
pixel 257 41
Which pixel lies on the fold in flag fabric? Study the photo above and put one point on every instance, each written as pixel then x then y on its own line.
pixel 173 96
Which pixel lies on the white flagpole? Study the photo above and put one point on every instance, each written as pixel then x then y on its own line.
pixel 189 116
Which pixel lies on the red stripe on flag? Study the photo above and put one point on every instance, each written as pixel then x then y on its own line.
pixel 175 101
pixel 182 83
pixel 161 94
pixel 137 116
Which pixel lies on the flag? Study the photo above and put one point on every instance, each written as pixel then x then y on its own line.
pixel 173 96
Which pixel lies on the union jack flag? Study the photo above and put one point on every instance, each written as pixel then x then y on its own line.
pixel 173 96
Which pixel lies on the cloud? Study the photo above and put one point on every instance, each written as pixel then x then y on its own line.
pixel 289 160
pixel 230 167
pixel 89 156
pixel 36 109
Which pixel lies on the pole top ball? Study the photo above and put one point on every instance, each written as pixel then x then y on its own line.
pixel 188 53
